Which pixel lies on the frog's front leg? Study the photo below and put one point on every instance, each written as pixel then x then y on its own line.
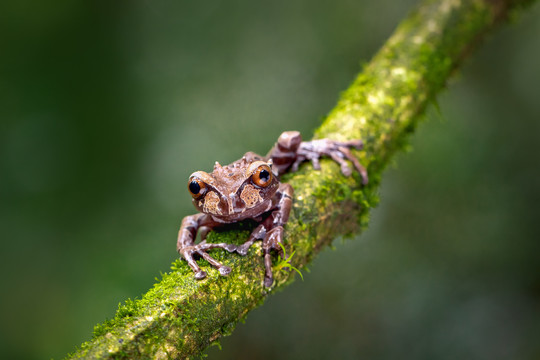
pixel 270 230
pixel 186 246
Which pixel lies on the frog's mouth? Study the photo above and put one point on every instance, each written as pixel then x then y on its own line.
pixel 238 214
pixel 246 204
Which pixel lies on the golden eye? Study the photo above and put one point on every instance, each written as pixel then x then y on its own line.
pixel 196 187
pixel 262 176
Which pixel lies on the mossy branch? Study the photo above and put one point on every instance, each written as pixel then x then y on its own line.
pixel 180 316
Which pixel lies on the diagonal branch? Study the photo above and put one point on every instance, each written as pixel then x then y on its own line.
pixel 180 316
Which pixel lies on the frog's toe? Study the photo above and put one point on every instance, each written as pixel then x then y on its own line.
pixel 315 163
pixel 230 247
pixel 224 270
pixel 199 275
pixel 242 250
pixel 346 170
pixel 268 281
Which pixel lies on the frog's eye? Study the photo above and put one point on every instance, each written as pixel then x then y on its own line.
pixel 196 187
pixel 262 176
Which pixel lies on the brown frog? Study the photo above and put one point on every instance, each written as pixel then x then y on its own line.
pixel 249 188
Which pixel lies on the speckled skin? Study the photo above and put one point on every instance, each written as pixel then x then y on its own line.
pixel 249 188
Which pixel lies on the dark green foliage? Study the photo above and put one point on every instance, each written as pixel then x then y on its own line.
pixel 179 317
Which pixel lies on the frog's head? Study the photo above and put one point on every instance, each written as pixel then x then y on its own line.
pixel 237 191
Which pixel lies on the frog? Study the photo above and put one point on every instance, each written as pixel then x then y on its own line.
pixel 250 188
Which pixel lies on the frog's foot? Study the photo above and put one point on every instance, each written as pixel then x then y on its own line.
pixel 339 151
pixel 344 152
pixel 272 241
pixel 258 234
pixel 201 250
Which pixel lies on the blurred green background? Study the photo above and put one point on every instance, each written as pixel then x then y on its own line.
pixel 106 107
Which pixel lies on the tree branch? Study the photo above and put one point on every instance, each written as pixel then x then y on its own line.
pixel 180 316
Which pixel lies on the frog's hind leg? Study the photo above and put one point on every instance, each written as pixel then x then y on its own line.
pixel 290 151
pixel 339 151
pixel 345 150
pixel 345 153
pixel 187 248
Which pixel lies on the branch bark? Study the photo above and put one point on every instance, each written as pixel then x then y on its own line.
pixel 180 316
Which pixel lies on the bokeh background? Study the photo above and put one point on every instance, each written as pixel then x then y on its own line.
pixel 106 107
